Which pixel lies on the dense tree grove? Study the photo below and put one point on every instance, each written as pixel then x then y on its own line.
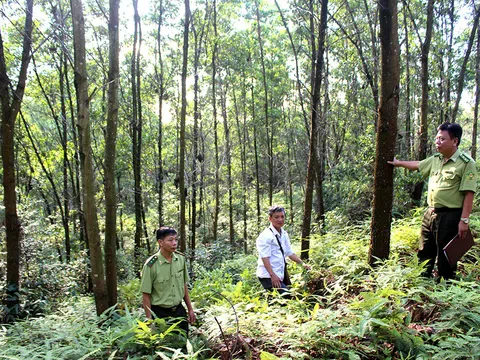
pixel 197 114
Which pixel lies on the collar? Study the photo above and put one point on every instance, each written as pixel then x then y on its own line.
pixel 454 157
pixel 162 260
pixel 275 232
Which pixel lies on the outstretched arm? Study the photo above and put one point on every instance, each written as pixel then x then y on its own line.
pixel 411 165
pixel 299 261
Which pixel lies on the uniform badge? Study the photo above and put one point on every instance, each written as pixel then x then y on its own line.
pixel 470 175
pixel 464 157
pixel 152 261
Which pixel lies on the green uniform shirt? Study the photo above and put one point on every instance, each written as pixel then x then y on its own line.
pixel 449 180
pixel 164 281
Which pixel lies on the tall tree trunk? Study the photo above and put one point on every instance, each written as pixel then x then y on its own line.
pixel 322 148
pixel 161 89
pixel 268 128
pixel 257 167
pixel 10 107
pixel 386 133
pixel 110 155
pixel 75 168
pixel 408 118
pixel 312 159
pixel 242 140
pixel 216 210
pixel 66 200
pixel 196 115
pixel 183 115
pixel 136 131
pixel 48 174
pixel 86 161
pixel 423 133
pixel 371 72
pixel 62 134
pixel 477 99
pixel 297 67
pixel 448 75
pixel 223 100
pixel 463 70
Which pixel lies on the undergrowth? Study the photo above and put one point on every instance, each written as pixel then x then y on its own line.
pixel 341 309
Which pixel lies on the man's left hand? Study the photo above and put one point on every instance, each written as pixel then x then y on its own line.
pixel 306 266
pixel 462 229
pixel 191 317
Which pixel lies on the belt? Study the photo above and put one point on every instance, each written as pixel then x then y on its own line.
pixel 444 209
pixel 170 309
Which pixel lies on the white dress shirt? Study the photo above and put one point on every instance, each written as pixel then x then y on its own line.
pixel 267 246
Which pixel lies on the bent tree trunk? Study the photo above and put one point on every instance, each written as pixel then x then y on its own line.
pixel 386 133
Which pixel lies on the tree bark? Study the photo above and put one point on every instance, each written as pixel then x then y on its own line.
pixel 386 133
pixel 424 74
pixel 477 100
pixel 316 110
pixel 198 38
pixel 161 89
pixel 110 154
pixel 136 124
pixel 463 70
pixel 216 210
pixel 183 115
pixel 10 107
pixel 268 128
pixel 86 160
pixel 242 140
pixel 223 100
pixel 62 133
pixel 257 167
pixel 408 118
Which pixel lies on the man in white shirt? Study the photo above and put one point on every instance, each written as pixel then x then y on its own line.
pixel 273 246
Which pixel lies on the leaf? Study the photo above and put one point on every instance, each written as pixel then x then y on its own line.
pixel 315 310
pixel 143 326
pixel 189 347
pixel 267 356
pixel 112 355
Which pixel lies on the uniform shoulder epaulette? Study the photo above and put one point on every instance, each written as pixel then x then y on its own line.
pixel 179 253
pixel 464 157
pixel 152 261
pixel 437 155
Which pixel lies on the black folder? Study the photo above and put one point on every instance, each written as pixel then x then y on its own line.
pixel 457 247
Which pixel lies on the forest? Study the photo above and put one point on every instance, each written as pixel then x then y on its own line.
pixel 118 117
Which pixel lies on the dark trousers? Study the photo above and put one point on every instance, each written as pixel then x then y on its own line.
pixel 175 313
pixel 267 285
pixel 439 226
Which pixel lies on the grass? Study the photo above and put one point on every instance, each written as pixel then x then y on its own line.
pixel 343 309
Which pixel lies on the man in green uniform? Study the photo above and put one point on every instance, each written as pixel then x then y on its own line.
pixel 164 281
pixel 451 187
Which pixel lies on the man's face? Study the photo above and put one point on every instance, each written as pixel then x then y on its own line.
pixel 444 143
pixel 168 243
pixel 277 219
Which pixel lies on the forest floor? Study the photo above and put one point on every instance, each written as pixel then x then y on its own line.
pixel 341 309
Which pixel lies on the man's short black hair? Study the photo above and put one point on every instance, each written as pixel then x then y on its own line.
pixel 454 130
pixel 275 208
pixel 165 231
